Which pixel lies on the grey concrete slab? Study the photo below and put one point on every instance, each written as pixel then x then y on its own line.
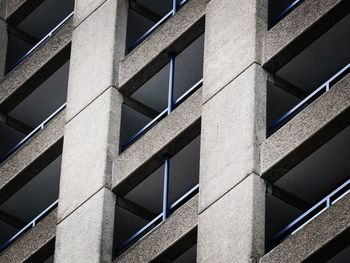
pixel 178 128
pixel 84 8
pixel 87 234
pixel 307 131
pixel 93 65
pixel 233 128
pixel 312 237
pixel 232 229
pixel 32 242
pixel 233 40
pixel 90 145
pixel 36 68
pixel 178 225
pixel 34 156
pixel 3 47
pixel 299 29
pixel 152 54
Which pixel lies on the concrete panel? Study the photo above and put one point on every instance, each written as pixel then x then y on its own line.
pixel 300 28
pixel 32 242
pixel 232 229
pixel 36 68
pixel 155 140
pixel 94 53
pixel 84 8
pixel 179 224
pixel 307 131
pixel 3 8
pixel 3 47
pixel 38 152
pixel 315 235
pixel 233 40
pixel 233 127
pixel 152 54
pixel 90 144
pixel 87 234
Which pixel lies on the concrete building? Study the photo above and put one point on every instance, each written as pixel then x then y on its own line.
pixel 174 131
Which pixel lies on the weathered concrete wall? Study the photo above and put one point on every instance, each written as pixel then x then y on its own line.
pixel 86 208
pixel 3 47
pixel 232 196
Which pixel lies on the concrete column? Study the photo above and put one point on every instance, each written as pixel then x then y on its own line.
pixel 86 206
pixel 232 194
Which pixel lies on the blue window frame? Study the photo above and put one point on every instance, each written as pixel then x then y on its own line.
pixel 325 87
pixel 162 193
pixel 172 85
pixel 150 26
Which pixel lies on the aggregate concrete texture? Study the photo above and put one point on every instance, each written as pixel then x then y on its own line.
pixel 232 229
pixel 31 242
pixel 84 8
pixel 233 127
pixel 93 66
pixel 87 234
pixel 90 145
pixel 3 47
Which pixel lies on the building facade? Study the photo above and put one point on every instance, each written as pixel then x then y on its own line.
pixel 174 131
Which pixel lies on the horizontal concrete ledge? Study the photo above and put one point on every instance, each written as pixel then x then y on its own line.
pixel 34 156
pixel 165 236
pixel 36 243
pixel 308 241
pixel 307 131
pixel 299 29
pixel 147 153
pixel 152 54
pixel 35 69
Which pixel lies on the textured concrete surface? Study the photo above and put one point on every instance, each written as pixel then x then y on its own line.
pixel 84 8
pixel 3 47
pixel 233 40
pixel 232 229
pixel 307 131
pixel 313 236
pixel 39 151
pixel 3 10
pixel 164 235
pixel 302 26
pixel 233 127
pixel 152 54
pixel 14 5
pixel 160 136
pixel 36 68
pixel 90 144
pixel 94 55
pixel 87 234
pixel 31 242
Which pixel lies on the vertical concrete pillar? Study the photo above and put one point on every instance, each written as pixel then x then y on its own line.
pixel 232 194
pixel 86 204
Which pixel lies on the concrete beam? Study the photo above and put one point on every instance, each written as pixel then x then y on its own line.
pixel 133 208
pixel 15 124
pixel 144 11
pixel 179 225
pixel 17 10
pixel 307 131
pixel 146 154
pixel 34 70
pixel 32 243
pixel 316 235
pixel 138 106
pixel 11 220
pixel 33 157
pixel 152 54
pixel 298 30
